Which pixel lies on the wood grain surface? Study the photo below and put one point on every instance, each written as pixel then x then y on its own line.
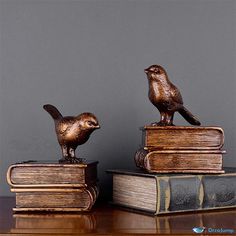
pixel 105 219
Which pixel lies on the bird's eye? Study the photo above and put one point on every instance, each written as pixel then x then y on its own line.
pixel 90 123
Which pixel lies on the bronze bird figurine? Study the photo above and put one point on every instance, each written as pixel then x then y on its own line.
pixel 72 131
pixel 166 97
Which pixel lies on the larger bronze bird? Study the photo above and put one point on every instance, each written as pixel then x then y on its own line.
pixel 166 97
pixel 72 131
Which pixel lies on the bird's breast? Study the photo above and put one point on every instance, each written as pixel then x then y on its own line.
pixel 82 137
pixel 158 92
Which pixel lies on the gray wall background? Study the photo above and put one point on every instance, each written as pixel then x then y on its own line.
pixel 90 55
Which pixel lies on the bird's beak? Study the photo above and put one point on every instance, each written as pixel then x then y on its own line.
pixel 97 127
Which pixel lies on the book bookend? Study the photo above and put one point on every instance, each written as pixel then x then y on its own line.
pixel 181 166
pixel 67 185
pixel 176 149
pixel 179 149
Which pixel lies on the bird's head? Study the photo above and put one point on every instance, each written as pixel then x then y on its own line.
pixel 88 121
pixel 155 72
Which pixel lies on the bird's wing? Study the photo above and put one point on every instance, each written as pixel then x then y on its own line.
pixel 176 95
pixel 62 128
pixel 65 125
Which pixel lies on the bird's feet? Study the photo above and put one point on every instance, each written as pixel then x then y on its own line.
pixel 162 123
pixel 71 160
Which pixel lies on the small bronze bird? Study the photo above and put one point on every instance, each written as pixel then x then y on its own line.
pixel 166 97
pixel 72 131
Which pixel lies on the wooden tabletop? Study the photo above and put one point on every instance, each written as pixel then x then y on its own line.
pixel 106 219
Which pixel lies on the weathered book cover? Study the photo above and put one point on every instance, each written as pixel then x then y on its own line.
pixel 182 137
pixel 52 174
pixel 182 161
pixel 55 199
pixel 169 193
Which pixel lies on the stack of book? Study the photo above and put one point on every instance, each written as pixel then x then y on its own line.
pixel 179 149
pixel 181 170
pixel 50 186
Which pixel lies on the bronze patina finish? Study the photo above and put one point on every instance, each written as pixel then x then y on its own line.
pixel 166 97
pixel 72 131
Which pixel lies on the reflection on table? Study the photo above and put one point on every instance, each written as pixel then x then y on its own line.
pixel 106 219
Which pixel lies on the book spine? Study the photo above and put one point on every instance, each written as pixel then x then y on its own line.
pixel 139 158
pixel 196 192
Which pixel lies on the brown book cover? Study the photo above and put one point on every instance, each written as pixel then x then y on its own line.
pixel 189 161
pixel 182 137
pixel 55 199
pixel 52 174
pixel 169 193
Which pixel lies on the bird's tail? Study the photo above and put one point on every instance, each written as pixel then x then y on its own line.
pixel 188 116
pixel 55 114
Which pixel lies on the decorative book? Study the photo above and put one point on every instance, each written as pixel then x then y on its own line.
pixel 168 193
pixel 55 199
pixel 53 186
pixel 192 161
pixel 182 137
pixel 52 174
pixel 180 149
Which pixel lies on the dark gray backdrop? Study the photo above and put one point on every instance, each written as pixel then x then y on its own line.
pixel 90 55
